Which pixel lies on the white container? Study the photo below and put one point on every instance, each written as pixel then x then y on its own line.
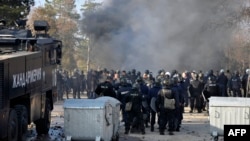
pixel 228 111
pixel 115 114
pixel 88 119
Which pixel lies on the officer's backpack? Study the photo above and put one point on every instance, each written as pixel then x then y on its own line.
pixel 169 101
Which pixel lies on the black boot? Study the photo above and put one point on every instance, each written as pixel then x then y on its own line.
pixel 171 133
pixel 126 132
pixel 177 129
pixel 191 111
pixel 161 132
pixel 152 128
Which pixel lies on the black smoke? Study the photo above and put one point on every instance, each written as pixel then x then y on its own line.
pixel 168 34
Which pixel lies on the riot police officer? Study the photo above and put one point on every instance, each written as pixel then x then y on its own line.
pixel 145 100
pixel 178 86
pixel 82 82
pixel 161 75
pixel 123 89
pixel 186 83
pixel 59 77
pixel 135 116
pixel 211 88
pixel 133 76
pixel 75 79
pixel 66 83
pixel 165 105
pixel 222 81
pixel 106 88
pixel 91 83
pixel 244 82
pixel 153 92
pixel 195 91
pixel 235 84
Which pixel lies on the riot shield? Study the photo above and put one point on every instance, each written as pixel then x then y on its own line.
pixel 145 104
pixel 152 104
pixel 203 96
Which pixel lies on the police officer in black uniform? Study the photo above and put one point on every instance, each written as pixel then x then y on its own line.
pixel 244 82
pixel 145 100
pixel 195 90
pixel 178 86
pixel 165 105
pixel 133 76
pixel 235 84
pixel 222 81
pixel 82 82
pixel 59 77
pixel 106 88
pixel 123 89
pixel 66 83
pixel 153 93
pixel 211 88
pixel 75 79
pixel 135 116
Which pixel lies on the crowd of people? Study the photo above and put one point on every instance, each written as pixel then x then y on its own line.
pixel 145 97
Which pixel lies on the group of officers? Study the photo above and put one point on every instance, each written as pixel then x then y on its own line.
pixel 145 98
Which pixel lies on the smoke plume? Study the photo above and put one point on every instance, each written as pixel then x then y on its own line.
pixel 162 34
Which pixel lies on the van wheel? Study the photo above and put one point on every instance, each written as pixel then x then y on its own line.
pixel 43 124
pixel 22 115
pixel 12 126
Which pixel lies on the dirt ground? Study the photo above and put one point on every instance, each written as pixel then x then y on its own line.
pixel 195 127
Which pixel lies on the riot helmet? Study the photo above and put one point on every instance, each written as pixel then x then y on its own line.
pixel 247 71
pixel 118 71
pixel 104 70
pixel 211 79
pixel 133 71
pixel 139 79
pixel 166 82
pixel 146 71
pixel 157 82
pixel 174 72
pixel 211 72
pixel 196 76
pixel 162 73
pixel 180 78
pixel 222 71
pixel 175 80
pixel 201 75
pixel 138 73
pixel 150 76
pixel 237 73
pixel 129 73
pixel 108 78
pixel 167 74
pixel 135 86
pixel 159 72
pixel 123 81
